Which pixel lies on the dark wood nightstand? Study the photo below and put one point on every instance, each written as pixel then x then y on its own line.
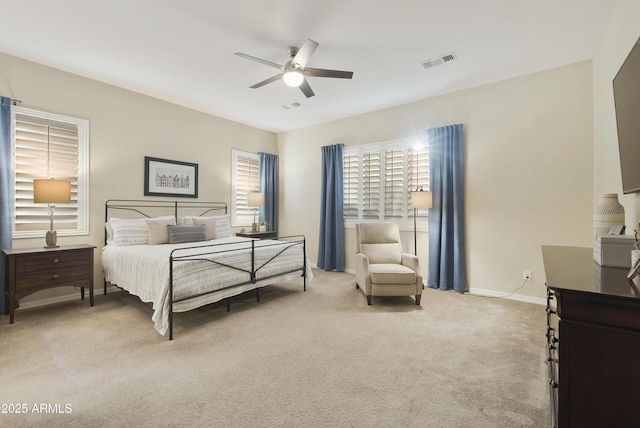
pixel 34 269
pixel 271 234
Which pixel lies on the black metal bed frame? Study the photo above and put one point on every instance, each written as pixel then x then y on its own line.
pixel 184 254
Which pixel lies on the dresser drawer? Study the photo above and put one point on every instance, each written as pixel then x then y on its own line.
pixel 58 260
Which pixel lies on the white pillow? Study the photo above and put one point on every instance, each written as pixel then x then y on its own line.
pixel 209 224
pixel 223 224
pixel 158 230
pixel 128 231
pixel 185 221
pixel 109 230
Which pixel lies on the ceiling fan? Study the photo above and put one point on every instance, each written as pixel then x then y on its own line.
pixel 295 71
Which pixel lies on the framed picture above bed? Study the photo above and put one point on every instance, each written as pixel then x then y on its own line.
pixel 163 177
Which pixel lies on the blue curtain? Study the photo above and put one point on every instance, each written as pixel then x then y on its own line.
pixel 331 246
pixel 5 192
pixel 269 188
pixel 447 258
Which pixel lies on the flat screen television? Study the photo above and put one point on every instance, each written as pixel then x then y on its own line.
pixel 626 93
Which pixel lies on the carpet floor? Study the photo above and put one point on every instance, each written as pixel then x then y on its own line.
pixel 321 358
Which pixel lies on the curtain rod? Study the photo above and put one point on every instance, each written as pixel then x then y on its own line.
pixel 15 101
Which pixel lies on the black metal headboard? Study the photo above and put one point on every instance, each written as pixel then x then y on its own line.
pixel 146 208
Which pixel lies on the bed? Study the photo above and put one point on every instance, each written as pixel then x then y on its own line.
pixel 181 255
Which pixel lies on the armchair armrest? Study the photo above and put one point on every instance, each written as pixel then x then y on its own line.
pixel 363 279
pixel 411 261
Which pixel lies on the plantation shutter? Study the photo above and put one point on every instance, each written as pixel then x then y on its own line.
pixel 44 148
pixel 247 181
pixel 371 185
pixel 418 175
pixel 379 179
pixel 394 187
pixel 350 185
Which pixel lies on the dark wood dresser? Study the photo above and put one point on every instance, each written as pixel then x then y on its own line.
pixel 593 338
pixel 33 269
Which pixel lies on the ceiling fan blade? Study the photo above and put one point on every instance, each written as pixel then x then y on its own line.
pixel 260 60
pixel 321 72
pixel 269 80
pixel 305 52
pixel 306 89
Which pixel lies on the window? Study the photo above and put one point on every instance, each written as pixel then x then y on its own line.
pixel 47 145
pixel 404 168
pixel 245 179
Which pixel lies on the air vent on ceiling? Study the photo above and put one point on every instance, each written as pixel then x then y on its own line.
pixel 451 56
pixel 288 106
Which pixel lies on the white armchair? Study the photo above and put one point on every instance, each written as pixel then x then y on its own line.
pixel 382 269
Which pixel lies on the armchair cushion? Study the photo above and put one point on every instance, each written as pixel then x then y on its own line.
pixel 380 242
pixel 382 253
pixel 382 273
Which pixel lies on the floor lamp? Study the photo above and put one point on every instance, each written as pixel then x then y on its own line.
pixel 255 200
pixel 419 199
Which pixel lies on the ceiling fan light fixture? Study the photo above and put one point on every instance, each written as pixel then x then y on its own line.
pixel 293 78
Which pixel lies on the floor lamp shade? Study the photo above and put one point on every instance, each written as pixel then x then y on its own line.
pixel 51 192
pixel 421 199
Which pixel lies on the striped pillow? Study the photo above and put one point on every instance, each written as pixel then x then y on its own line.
pixel 178 234
pixel 128 231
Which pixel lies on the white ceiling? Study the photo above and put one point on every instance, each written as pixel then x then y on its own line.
pixel 182 51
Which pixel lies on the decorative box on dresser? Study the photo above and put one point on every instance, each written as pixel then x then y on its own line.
pixel 34 269
pixel 593 338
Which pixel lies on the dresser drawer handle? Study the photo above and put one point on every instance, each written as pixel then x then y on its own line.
pixel 56 276
pixel 56 261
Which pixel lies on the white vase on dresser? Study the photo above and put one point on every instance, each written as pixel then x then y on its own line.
pixel 607 213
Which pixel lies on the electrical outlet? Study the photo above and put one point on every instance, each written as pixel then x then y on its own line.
pixel 526 275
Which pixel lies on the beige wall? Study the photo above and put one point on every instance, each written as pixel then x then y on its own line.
pixel 528 148
pixel 126 127
pixel 622 33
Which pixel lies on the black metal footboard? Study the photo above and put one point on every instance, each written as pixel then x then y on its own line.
pixel 249 273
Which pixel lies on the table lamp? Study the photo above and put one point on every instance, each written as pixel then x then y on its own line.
pixel 51 191
pixel 255 200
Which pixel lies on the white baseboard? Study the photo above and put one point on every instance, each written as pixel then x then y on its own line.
pixel 496 294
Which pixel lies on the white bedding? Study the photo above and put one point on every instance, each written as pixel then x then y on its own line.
pixel 143 270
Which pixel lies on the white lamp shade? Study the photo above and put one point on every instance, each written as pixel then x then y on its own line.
pixel 421 199
pixel 255 199
pixel 293 78
pixel 51 191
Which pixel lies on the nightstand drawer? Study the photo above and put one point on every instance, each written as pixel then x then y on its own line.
pixel 77 276
pixel 57 260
